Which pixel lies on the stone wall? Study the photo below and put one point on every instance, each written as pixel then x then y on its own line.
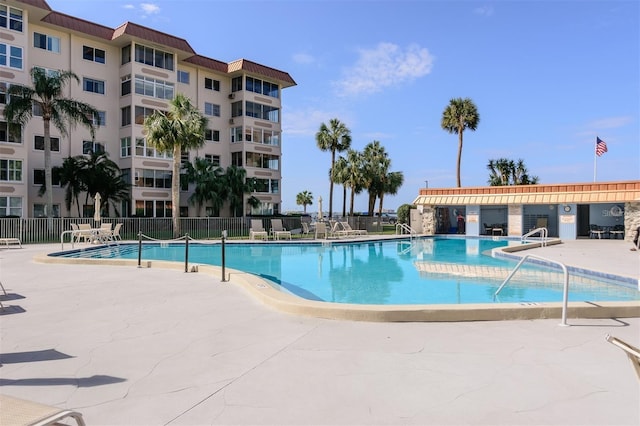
pixel 631 219
pixel 429 220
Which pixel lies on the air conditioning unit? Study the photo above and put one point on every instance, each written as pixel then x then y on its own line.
pixel 232 96
pixel 231 121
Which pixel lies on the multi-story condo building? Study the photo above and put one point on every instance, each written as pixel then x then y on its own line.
pixel 126 73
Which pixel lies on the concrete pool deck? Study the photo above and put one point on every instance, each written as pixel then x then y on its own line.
pixel 129 346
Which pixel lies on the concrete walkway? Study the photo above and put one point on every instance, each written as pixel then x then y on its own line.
pixel 128 346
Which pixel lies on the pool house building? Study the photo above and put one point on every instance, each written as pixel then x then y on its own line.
pixel 568 211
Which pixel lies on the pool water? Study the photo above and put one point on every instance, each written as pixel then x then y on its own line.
pixel 422 271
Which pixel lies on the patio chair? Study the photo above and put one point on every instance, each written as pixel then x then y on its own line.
pixel 617 230
pixel 84 232
pixel 16 411
pixel 321 229
pixel 115 234
pixel 257 230
pixel 632 352
pixel 595 230
pixel 305 228
pixel 278 230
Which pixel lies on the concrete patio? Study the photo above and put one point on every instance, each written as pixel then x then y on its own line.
pixel 129 346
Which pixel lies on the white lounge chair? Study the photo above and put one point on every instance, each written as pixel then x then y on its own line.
pixel 257 230
pixel 278 230
pixel 16 411
pixel 632 352
pixel 350 230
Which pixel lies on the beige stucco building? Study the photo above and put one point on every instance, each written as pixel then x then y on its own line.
pixel 568 211
pixel 126 73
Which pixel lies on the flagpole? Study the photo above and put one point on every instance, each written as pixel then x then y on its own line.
pixel 595 160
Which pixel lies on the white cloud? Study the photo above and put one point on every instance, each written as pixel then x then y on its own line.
pixel 385 65
pixel 129 6
pixel 303 58
pixel 610 122
pixel 483 11
pixel 150 8
pixel 306 122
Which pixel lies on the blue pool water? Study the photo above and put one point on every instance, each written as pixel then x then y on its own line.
pixel 422 271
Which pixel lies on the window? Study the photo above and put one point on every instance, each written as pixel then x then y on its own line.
pixel 125 56
pixel 145 150
pixel 100 119
pixel 125 85
pixel 212 135
pixel 153 208
pixel 49 72
pixel 236 159
pixel 270 186
pixel 10 56
pixel 211 109
pixel 236 134
pixel 4 88
pixel 236 109
pixel 7 134
pixel 15 18
pixel 150 178
pixel 151 87
pixel 264 112
pixel 236 84
pixel 10 170
pixel 38 178
pixel 91 85
pixel 263 161
pixel 125 116
pixel 10 206
pixel 213 159
pixel 211 84
pixel 92 54
pixel 269 209
pixel 183 77
pixel 263 136
pixel 125 147
pixel 263 87
pixel 153 57
pixel 40 210
pixel 38 143
pixel 141 113
pixel 90 147
pixel 43 41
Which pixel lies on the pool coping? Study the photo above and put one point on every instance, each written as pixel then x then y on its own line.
pixel 284 302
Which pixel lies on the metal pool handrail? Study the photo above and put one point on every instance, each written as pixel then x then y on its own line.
pixel 406 228
pixel 544 235
pixel 565 295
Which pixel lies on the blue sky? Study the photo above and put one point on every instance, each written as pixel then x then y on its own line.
pixel 547 78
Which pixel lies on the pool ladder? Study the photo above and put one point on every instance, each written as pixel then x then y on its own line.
pixel 544 235
pixel 565 295
pixel 403 228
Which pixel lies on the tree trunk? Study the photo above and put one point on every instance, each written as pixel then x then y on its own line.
pixel 333 161
pixel 175 192
pixel 344 200
pixel 353 196
pixel 48 180
pixel 459 155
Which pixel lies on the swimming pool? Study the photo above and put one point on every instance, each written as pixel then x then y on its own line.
pixel 389 272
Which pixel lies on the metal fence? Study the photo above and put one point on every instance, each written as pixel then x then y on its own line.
pixel 43 230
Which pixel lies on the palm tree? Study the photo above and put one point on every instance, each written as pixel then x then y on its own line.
pixel 392 183
pixel 507 172
pixel 354 179
pixel 376 166
pixel 340 175
pixel 210 184
pixel 180 129
pixel 304 199
pixel 335 137
pixel 47 96
pixel 459 115
pixel 238 185
pixel 70 176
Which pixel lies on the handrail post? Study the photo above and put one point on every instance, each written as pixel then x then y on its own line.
pixel 224 236
pixel 139 249
pixel 186 252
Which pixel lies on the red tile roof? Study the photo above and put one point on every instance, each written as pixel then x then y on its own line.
pixel 153 36
pixel 209 63
pixel 76 24
pixel 252 67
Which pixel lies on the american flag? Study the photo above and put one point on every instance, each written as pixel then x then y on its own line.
pixel 601 147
